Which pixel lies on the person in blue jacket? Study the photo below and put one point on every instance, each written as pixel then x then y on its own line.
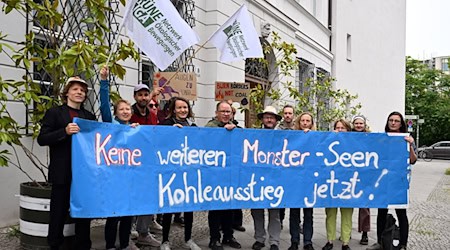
pixel 122 115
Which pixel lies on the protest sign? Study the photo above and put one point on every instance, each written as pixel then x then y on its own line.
pixel 235 91
pixel 182 84
pixel 119 170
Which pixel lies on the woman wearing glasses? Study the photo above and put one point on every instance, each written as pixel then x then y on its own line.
pixel 396 124
pixel 179 115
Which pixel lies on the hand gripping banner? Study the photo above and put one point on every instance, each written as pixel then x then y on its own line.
pixel 119 170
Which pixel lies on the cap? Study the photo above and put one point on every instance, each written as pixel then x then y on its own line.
pixel 140 87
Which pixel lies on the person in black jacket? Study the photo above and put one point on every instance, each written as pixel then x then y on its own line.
pixel 56 132
pixel 179 115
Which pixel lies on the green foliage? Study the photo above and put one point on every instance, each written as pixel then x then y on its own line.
pixel 428 95
pixel 320 98
pixel 59 52
pixel 447 171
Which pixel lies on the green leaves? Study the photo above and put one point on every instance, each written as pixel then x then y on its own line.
pixel 428 95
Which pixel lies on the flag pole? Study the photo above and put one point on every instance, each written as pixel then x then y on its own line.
pixel 185 63
pixel 116 41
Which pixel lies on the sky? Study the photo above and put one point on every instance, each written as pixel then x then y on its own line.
pixel 427 28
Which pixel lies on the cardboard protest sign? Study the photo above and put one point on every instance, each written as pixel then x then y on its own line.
pixel 235 91
pixel 182 84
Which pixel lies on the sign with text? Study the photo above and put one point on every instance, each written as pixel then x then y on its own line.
pixel 182 84
pixel 235 91
pixel 119 170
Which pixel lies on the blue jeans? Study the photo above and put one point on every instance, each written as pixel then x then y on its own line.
pixel 307 225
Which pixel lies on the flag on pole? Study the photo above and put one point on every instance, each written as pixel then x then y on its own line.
pixel 158 30
pixel 237 38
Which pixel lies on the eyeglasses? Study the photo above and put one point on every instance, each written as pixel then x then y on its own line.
pixel 394 121
pixel 224 111
pixel 151 105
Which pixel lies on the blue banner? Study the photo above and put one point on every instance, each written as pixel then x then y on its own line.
pixel 119 170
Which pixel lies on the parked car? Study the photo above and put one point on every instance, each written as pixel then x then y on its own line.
pixel 438 150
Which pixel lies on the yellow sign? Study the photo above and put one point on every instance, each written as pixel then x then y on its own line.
pixel 235 91
pixel 182 84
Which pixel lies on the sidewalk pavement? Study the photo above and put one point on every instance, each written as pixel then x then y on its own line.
pixel 428 216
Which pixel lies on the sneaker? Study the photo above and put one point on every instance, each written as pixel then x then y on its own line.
pixel 190 244
pixel 148 240
pixel 131 246
pixel 215 245
pixel 232 243
pixel 258 245
pixel 294 246
pixel 165 246
pixel 274 247
pixel 308 247
pixel 346 247
pixel 156 226
pixel 375 246
pixel 328 246
pixel 364 240
pixel 134 234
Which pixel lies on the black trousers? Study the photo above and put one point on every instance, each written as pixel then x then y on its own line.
pixel 402 223
pixel 237 218
pixel 167 221
pixel 124 231
pixel 59 211
pixel 218 219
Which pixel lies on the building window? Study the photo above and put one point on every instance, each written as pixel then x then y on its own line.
pixel 349 47
pixel 305 74
pixel 445 65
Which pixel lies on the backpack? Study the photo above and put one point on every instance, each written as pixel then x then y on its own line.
pixel 390 237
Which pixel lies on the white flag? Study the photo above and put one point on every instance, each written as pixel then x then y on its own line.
pixel 158 30
pixel 237 38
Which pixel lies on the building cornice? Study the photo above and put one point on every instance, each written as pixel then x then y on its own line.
pixel 276 13
pixel 312 18
pixel 309 41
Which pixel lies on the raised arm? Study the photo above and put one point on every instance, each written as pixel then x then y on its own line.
pixel 105 108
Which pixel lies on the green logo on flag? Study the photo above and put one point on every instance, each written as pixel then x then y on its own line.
pixel 146 12
pixel 233 29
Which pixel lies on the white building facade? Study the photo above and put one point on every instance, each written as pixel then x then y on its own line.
pixel 361 44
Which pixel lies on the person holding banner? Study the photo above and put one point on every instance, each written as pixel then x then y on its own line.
pixel 56 132
pixel 221 219
pixel 304 122
pixel 179 115
pixel 360 125
pixel 288 124
pixel 144 116
pixel 396 124
pixel 346 213
pixel 122 112
pixel 269 118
